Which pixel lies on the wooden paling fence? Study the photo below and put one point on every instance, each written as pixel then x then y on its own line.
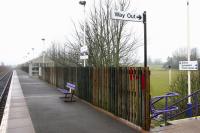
pixel 122 91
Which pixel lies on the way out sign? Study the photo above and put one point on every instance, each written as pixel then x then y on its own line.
pixel 134 17
pixel 120 15
pixel 188 65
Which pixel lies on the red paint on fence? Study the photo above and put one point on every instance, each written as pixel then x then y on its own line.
pixel 131 72
pixel 143 81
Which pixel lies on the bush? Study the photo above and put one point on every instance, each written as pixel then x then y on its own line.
pixel 180 85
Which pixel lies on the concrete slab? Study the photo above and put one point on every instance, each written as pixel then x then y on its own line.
pixel 19 123
pixel 21 104
pixel 21 130
pixel 18 109
pixel 18 115
pixel 189 125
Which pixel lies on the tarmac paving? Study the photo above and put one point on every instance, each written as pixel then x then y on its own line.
pixel 50 114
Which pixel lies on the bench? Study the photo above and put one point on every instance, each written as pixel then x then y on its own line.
pixel 69 94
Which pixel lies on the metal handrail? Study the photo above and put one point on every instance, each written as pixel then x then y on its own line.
pixel 186 97
pixel 180 100
pixel 156 112
pixel 196 105
pixel 173 116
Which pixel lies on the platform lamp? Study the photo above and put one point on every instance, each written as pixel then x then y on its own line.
pixel 83 2
pixel 43 39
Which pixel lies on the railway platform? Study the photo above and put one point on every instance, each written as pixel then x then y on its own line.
pixel 34 106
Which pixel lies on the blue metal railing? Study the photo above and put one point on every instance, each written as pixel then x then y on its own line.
pixel 195 105
pixel 167 109
pixel 174 110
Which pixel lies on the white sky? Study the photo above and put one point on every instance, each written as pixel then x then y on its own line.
pixel 24 22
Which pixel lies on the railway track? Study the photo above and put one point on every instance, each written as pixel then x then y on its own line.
pixel 5 79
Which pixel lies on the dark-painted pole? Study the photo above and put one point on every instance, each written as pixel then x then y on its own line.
pixel 145 39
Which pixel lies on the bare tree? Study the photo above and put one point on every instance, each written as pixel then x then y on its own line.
pixel 180 55
pixel 110 43
pixel 57 52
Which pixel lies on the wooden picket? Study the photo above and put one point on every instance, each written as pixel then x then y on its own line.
pixel 123 91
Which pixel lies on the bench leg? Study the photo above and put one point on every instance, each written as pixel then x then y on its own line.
pixel 64 97
pixel 71 98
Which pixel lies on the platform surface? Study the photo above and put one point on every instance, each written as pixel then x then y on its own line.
pixel 188 125
pixel 50 114
pixel 16 118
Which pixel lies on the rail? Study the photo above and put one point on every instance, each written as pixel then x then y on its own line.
pixel 194 106
pixel 167 109
pixel 4 86
pixel 6 80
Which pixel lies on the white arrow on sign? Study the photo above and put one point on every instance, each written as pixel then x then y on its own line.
pixel 120 15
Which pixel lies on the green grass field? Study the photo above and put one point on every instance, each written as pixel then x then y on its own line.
pixel 159 85
pixel 159 82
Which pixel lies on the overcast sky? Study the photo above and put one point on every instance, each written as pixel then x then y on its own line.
pixel 24 22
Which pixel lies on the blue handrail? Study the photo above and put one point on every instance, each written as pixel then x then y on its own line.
pixel 155 112
pixel 195 105
pixel 173 111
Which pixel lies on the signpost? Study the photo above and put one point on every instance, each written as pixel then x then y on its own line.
pixel 120 15
pixel 189 104
pixel 188 65
pixel 135 17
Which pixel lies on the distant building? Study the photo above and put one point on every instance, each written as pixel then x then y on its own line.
pixel 34 66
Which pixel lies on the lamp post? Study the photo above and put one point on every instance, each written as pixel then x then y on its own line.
pixel 43 39
pixel 83 2
pixel 42 71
